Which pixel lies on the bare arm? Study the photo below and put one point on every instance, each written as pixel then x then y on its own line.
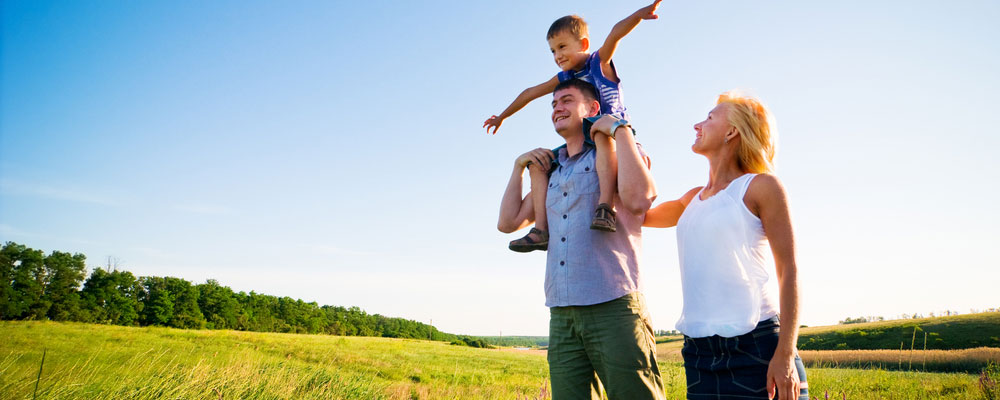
pixel 767 199
pixel 666 214
pixel 515 212
pixel 520 101
pixel 635 184
pixel 619 31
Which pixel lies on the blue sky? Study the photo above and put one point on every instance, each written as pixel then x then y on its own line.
pixel 333 152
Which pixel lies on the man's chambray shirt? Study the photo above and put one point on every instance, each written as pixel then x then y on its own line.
pixel 587 266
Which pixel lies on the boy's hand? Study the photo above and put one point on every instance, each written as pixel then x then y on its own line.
pixel 649 12
pixel 603 125
pixel 494 122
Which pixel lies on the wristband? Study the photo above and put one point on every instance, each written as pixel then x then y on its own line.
pixel 618 124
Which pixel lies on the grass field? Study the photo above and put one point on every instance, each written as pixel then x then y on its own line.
pixel 112 362
pixel 943 333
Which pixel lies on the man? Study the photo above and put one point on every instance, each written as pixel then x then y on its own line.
pixel 599 329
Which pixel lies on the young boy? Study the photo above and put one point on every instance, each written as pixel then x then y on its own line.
pixel 569 42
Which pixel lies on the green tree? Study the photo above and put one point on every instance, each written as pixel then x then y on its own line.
pixel 8 297
pixel 219 305
pixel 187 314
pixel 64 273
pixel 157 301
pixel 113 297
pixel 24 271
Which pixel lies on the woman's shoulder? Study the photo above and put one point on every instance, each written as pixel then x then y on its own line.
pixel 765 181
pixel 687 197
pixel 765 187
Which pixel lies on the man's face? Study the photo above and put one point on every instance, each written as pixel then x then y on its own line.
pixel 568 109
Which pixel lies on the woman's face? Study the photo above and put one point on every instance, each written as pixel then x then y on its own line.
pixel 711 133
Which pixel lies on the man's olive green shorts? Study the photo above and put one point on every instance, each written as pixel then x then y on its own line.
pixel 610 343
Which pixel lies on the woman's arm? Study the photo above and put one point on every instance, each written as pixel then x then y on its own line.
pixel 666 214
pixel 767 199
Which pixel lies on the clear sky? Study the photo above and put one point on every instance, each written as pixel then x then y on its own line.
pixel 333 151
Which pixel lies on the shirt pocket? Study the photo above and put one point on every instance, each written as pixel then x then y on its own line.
pixel 584 180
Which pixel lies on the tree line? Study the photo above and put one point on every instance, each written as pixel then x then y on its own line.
pixel 57 287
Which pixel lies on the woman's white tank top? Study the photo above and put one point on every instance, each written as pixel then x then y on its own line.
pixel 722 250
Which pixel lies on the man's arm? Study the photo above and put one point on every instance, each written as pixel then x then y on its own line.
pixel 520 101
pixel 515 212
pixel 635 184
pixel 619 31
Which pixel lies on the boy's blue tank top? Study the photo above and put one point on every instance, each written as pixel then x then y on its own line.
pixel 609 92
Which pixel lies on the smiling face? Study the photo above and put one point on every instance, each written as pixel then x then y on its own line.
pixel 568 51
pixel 711 133
pixel 569 106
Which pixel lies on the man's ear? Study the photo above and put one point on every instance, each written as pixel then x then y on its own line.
pixel 593 108
pixel 585 44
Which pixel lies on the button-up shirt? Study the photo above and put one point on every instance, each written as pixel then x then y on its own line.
pixel 587 266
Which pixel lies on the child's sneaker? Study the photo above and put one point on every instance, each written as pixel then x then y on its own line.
pixel 604 218
pixel 528 243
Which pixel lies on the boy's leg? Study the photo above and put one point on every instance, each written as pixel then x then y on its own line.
pixel 538 237
pixel 607 178
pixel 539 189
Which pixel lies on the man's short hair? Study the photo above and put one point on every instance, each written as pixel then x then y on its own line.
pixel 573 24
pixel 588 90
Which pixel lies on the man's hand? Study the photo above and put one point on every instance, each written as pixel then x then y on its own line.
pixel 782 375
pixel 494 122
pixel 541 157
pixel 603 125
pixel 649 12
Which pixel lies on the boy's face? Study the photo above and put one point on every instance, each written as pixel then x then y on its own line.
pixel 569 52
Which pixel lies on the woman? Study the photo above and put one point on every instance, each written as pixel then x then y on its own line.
pixel 733 347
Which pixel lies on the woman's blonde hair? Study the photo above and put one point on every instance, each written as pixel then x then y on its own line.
pixel 757 131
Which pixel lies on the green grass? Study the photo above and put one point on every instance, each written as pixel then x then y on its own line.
pixel 113 362
pixel 943 333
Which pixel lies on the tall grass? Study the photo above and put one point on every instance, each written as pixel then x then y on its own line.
pixel 111 362
pixel 937 333
pixel 969 361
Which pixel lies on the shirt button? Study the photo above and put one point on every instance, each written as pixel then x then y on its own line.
pixel 564 216
pixel 565 194
pixel 587 169
pixel 562 263
pixel 564 239
pixel 550 185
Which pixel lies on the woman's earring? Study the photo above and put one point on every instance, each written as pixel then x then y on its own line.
pixel 727 140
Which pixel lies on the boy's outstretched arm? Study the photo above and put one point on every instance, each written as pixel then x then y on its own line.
pixel 520 101
pixel 621 29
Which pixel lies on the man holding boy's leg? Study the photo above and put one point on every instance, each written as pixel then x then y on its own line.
pixel 599 329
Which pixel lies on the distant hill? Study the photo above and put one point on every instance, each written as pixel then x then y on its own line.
pixel 516 341
pixel 943 333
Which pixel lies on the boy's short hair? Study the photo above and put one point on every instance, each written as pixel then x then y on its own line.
pixel 574 24
pixel 588 90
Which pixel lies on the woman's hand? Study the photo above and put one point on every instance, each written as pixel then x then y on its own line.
pixel 783 376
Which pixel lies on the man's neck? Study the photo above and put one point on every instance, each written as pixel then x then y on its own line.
pixel 574 145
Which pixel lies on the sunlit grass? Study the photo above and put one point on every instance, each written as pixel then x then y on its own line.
pixel 112 362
